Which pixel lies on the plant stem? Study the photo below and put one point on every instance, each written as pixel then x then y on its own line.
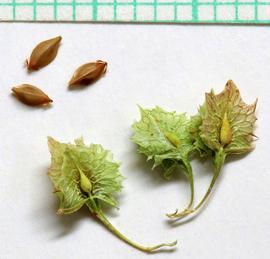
pixel 150 249
pixel 191 183
pixel 218 163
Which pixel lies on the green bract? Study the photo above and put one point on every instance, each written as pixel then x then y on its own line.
pixel 165 138
pixel 87 175
pixel 194 133
pixel 76 165
pixel 223 126
pixel 228 108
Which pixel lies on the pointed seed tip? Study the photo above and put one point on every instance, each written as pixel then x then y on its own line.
pixel 70 83
pixel 26 62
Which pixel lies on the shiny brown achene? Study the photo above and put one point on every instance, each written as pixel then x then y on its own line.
pixel 88 73
pixel 31 95
pixel 43 54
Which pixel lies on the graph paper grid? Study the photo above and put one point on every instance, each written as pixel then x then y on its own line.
pixel 178 11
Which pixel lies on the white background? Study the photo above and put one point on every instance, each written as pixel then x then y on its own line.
pixel 169 65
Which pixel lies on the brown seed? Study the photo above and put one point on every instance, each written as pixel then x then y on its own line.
pixel 88 73
pixel 31 95
pixel 43 54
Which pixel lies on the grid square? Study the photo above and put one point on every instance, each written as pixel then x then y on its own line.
pixel 145 13
pixel 226 13
pixel 6 1
pixel 84 13
pixel 165 1
pixel 23 1
pixel 165 13
pixel 184 13
pixel 263 12
pixel 24 13
pixel 184 1
pixel 65 13
pixel 43 1
pixel 125 1
pixel 105 1
pixel 246 12
pixel 65 1
pixel 6 13
pixel 205 1
pixel 145 1
pixel 105 13
pixel 206 13
pixel 45 13
pixel 80 2
pixel 125 13
pixel 225 1
pixel 246 1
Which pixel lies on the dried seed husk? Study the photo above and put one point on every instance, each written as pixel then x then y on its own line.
pixel 31 95
pixel 43 54
pixel 88 73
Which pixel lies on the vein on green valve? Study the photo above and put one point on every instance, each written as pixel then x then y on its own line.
pixel 87 175
pixel 164 137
